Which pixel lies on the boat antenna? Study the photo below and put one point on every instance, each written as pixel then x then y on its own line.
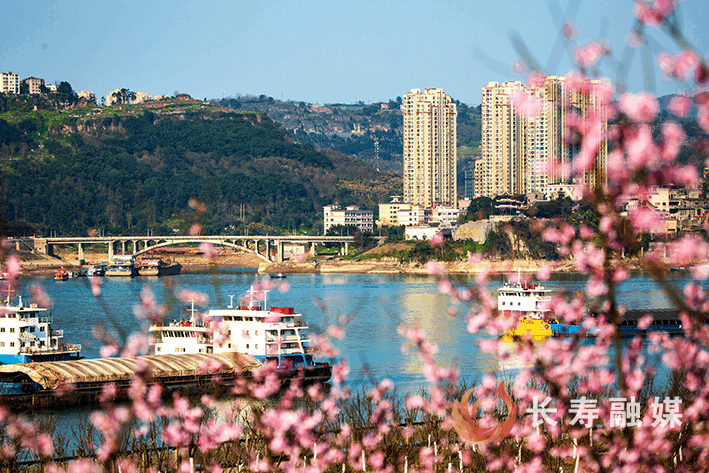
pixel 231 301
pixel 519 276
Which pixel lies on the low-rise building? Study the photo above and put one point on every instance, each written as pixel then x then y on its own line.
pixel 34 85
pixel 411 215
pixel 682 209
pixel 87 95
pixel 352 215
pixel 444 215
pixel 388 212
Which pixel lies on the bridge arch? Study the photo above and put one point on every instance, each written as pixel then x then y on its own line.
pixel 243 247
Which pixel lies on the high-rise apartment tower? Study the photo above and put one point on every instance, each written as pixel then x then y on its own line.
pixel 429 148
pixel 523 152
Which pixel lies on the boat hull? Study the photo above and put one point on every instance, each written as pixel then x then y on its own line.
pixel 162 270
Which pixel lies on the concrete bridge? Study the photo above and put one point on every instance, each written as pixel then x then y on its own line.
pixel 268 248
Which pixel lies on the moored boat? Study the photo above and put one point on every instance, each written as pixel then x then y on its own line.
pixel 275 334
pixel 26 335
pixel 97 270
pixel 122 265
pixel 158 267
pixel 64 383
pixel 61 275
pixel 529 304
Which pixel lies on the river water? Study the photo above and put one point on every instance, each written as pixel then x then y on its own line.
pixel 374 305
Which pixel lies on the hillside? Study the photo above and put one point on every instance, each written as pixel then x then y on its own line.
pixel 353 129
pixel 131 169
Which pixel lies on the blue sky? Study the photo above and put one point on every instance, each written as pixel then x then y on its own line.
pixel 309 50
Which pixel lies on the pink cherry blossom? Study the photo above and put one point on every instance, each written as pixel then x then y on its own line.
pixel 640 108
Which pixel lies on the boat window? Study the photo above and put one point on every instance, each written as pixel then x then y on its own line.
pixel 41 329
pixel 2 344
pixel 256 333
pixel 12 344
pixel 247 346
pixel 229 345
pixel 247 333
pixel 256 346
pixel 159 349
pixel 12 329
pixel 2 329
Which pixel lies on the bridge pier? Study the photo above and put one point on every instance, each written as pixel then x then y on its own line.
pixel 279 251
pixel 81 254
pixel 111 250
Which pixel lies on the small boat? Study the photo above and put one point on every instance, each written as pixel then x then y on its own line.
pixel 122 265
pixel 61 275
pixel 26 335
pixel 278 276
pixel 158 267
pixel 275 334
pixel 97 270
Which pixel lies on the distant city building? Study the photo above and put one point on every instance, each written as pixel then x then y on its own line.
pixel 430 127
pixel 411 215
pixel 469 191
pixel 352 215
pixel 141 97
pixel 85 94
pixel 444 215
pixel 388 212
pixel 34 85
pixel 527 153
pixel 9 82
pixel 682 209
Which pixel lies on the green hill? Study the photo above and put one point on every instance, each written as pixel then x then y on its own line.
pixel 130 169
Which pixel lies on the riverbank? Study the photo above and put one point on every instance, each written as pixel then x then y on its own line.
pixel 34 265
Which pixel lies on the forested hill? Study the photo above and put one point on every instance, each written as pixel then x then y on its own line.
pixel 131 169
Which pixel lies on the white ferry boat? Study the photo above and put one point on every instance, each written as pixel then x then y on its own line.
pixel 26 335
pixel 122 265
pixel 276 334
pixel 529 304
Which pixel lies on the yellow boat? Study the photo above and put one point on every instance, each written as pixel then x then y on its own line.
pixel 529 303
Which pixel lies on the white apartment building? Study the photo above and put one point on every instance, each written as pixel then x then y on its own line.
pixel 430 126
pixel 9 82
pixel 411 215
pixel 387 212
pixel 523 154
pixel 445 215
pixel 352 215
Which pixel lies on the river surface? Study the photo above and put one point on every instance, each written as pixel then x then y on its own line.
pixel 375 306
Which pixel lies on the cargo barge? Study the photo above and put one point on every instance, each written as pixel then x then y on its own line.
pixel 81 382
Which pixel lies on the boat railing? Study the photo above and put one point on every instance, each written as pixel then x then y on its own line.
pixel 284 338
pixel 62 348
pixel 273 350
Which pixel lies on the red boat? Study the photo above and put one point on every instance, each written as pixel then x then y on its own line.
pixel 61 275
